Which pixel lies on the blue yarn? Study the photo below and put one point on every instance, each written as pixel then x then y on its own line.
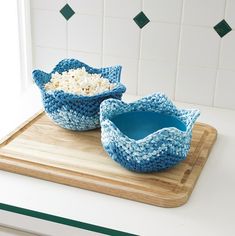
pixel 157 151
pixel 77 112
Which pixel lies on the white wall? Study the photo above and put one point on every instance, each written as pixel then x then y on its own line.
pixel 10 82
pixel 178 52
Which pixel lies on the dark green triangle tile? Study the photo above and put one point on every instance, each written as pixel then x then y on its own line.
pixel 141 20
pixel 222 28
pixel 67 12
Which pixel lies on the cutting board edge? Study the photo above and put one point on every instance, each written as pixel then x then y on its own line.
pixel 65 177
pixel 20 128
pixel 213 138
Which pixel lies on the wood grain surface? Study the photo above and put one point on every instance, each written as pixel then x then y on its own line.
pixel 41 149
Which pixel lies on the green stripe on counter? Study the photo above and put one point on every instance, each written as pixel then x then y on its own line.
pixel 62 220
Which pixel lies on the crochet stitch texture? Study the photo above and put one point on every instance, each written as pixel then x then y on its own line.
pixel 157 151
pixel 77 112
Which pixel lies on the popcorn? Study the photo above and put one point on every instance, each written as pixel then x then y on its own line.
pixel 80 82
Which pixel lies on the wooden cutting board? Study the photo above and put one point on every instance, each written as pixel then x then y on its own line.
pixel 41 149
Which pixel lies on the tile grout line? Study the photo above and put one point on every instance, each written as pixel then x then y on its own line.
pixel 139 56
pixel 219 61
pixel 67 43
pixel 127 18
pixel 102 41
pixel 64 49
pixel 131 58
pixel 179 50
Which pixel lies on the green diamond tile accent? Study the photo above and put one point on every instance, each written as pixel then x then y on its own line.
pixel 141 20
pixel 222 28
pixel 67 12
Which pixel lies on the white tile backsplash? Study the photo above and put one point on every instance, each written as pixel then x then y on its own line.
pixel 160 42
pixel 85 33
pixel 92 59
pixel 48 4
pixel 129 71
pixel 163 10
pixel 122 8
pixel 195 85
pixel 48 29
pixel 156 76
pixel 203 12
pixel 90 7
pixel 227 60
pixel 178 52
pixel 229 13
pixel 46 58
pixel 199 46
pixel 225 87
pixel 121 38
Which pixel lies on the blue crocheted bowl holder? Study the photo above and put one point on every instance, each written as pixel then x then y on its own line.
pixel 159 150
pixel 77 112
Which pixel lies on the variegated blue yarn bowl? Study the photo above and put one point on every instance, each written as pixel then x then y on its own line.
pixel 148 135
pixel 72 111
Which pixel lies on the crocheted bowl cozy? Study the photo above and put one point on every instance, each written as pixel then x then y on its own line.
pixel 77 112
pixel 156 151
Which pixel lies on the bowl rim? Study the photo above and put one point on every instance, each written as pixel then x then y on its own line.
pixel 190 116
pixel 41 78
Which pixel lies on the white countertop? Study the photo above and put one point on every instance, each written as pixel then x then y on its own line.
pixel 209 211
